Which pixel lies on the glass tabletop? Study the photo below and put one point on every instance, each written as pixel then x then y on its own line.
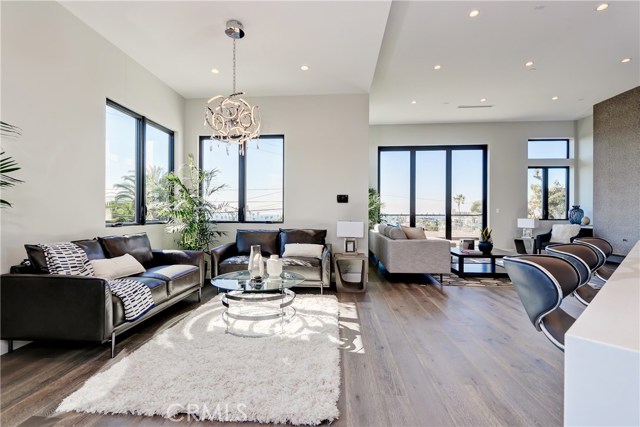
pixel 241 281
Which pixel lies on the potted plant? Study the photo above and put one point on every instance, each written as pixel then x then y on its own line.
pixel 7 164
pixel 374 207
pixel 486 243
pixel 188 208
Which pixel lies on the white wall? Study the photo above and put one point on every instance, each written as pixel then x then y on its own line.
pixel 326 154
pixel 507 157
pixel 584 164
pixel 56 76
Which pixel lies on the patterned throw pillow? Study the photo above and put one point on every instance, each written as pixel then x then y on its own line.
pixel 67 258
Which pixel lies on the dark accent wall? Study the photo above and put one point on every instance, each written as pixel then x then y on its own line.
pixel 616 170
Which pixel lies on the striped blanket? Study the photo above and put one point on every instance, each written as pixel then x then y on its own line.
pixel 67 258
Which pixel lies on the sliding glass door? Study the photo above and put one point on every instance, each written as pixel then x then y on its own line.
pixel 440 188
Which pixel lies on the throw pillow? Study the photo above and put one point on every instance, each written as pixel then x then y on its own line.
pixel 303 250
pixel 381 227
pixel 562 233
pixel 396 233
pixel 414 233
pixel 287 236
pixel 115 268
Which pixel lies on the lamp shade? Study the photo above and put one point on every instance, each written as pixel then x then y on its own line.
pixel 350 229
pixel 528 222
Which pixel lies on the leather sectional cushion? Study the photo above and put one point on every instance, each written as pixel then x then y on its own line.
pixel 92 247
pixel 137 245
pixel 316 237
pixel 235 263
pixel 178 276
pixel 267 239
pixel 158 293
pixel 310 268
pixel 36 258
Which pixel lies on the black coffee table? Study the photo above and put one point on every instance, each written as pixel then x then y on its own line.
pixel 489 268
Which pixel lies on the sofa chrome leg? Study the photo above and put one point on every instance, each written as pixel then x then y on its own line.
pixel 10 345
pixel 113 345
pixel 200 295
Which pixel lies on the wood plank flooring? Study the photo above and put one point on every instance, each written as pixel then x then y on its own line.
pixel 413 354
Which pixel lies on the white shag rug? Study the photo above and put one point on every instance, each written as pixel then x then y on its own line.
pixel 195 371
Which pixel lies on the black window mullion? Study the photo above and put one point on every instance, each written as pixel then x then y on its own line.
pixel 448 194
pixel 140 173
pixel 242 191
pixel 545 193
pixel 412 188
pixel 485 187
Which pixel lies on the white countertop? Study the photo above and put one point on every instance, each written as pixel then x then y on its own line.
pixel 602 354
pixel 613 317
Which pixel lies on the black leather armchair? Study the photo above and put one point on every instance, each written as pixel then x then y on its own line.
pixel 544 239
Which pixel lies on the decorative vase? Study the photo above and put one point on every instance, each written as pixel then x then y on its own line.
pixel 274 267
pixel 485 247
pixel 575 214
pixel 256 266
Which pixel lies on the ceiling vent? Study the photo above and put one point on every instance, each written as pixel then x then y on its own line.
pixel 475 106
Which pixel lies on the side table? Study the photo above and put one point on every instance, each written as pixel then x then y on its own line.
pixel 521 248
pixel 344 285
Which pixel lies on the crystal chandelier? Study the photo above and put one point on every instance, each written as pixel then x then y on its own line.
pixel 232 119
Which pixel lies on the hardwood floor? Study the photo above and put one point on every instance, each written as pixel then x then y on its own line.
pixel 413 354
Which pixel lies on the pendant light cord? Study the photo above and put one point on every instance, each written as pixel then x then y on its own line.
pixel 234 66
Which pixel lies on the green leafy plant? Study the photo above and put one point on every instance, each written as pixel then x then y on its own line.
pixel 374 207
pixel 485 235
pixel 188 207
pixel 7 164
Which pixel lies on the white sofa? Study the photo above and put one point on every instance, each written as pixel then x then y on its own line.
pixel 429 256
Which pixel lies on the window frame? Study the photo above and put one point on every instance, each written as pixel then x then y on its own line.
pixel 545 191
pixel 242 178
pixel 413 149
pixel 140 206
pixel 567 148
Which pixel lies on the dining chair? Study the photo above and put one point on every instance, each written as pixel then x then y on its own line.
pixel 542 281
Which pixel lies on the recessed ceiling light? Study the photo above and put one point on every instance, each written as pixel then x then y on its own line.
pixel 414 102
pixel 538 7
pixel 474 13
pixel 437 67
pixel 528 63
pixel 483 99
pixel 215 70
pixel 602 6
pixel 304 67
pixel 555 98
pixel 625 60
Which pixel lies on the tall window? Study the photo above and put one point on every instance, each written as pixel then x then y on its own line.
pixel 253 184
pixel 548 186
pixel 440 188
pixel 139 154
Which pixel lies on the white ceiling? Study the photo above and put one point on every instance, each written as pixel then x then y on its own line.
pixel 577 52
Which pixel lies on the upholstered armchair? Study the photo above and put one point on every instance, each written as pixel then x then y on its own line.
pixel 559 233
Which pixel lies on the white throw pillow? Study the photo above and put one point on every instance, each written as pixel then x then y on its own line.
pixel 115 268
pixel 562 233
pixel 302 249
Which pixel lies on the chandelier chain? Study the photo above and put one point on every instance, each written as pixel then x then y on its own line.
pixel 234 66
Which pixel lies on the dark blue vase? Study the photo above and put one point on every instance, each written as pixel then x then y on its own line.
pixel 485 247
pixel 576 214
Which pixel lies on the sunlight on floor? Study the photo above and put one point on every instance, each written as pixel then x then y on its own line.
pixel 350 336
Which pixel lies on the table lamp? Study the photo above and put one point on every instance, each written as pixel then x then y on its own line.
pixel 350 230
pixel 527 225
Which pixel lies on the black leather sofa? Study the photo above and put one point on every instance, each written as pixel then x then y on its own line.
pixel 234 256
pixel 36 305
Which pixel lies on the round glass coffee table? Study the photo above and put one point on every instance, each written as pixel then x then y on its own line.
pixel 248 300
